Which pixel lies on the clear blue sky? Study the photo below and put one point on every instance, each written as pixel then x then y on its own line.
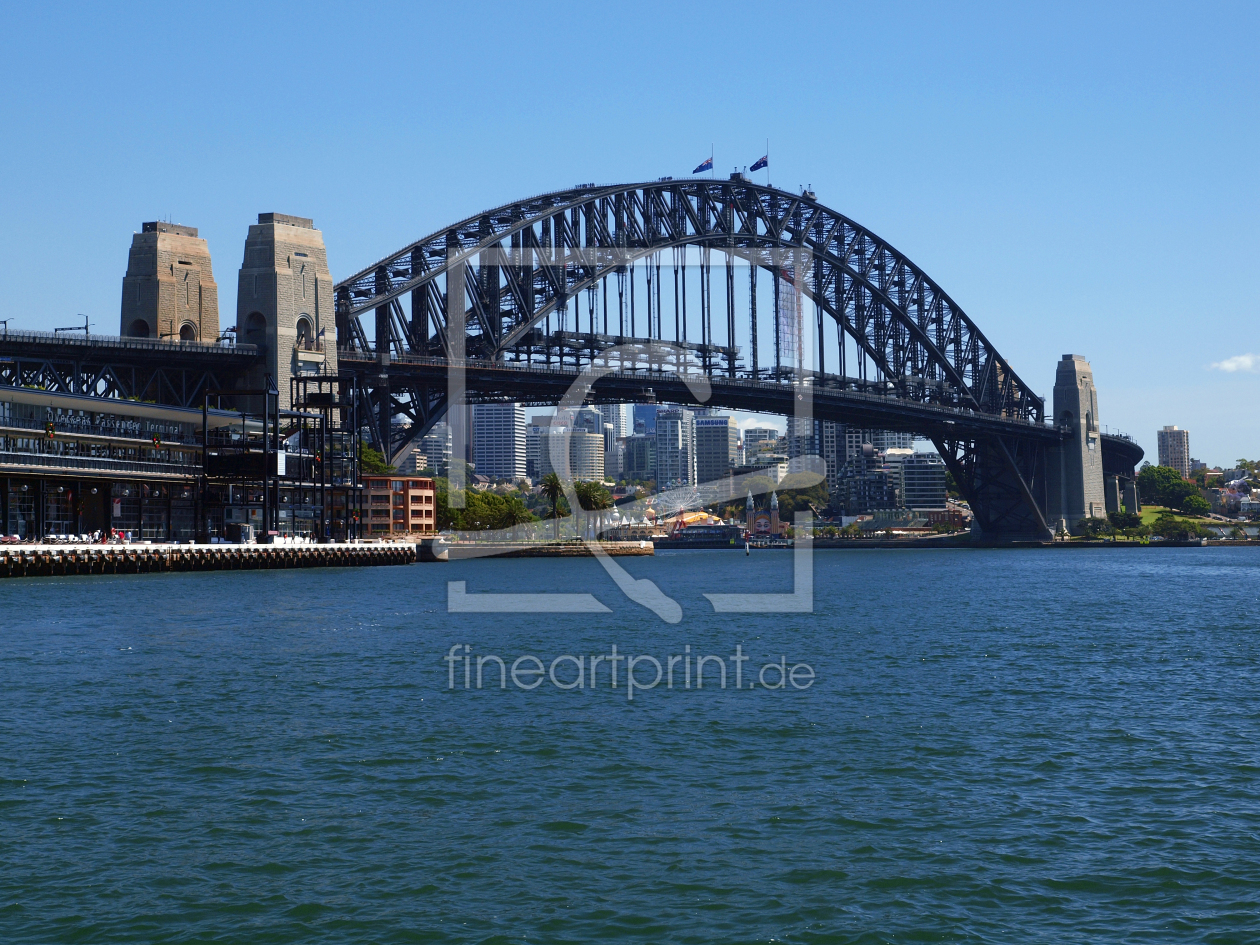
pixel 1080 178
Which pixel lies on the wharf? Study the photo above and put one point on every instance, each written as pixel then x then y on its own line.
pixel 52 560
pixel 463 550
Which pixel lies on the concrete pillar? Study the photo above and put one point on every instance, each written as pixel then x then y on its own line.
pixel 1074 471
pixel 1113 494
pixel 1131 501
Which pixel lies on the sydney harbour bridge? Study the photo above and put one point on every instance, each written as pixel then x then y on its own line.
pixel 783 305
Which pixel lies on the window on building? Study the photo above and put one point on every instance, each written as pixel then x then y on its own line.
pixel 305 332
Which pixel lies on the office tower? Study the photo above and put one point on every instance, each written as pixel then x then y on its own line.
pixel 619 416
pixel 646 413
pixel 754 437
pixel 675 447
pixel 436 447
pixel 638 463
pixel 890 440
pixel 802 437
pixel 584 419
pixel 586 453
pixel 717 442
pixel 499 430
pixel 534 431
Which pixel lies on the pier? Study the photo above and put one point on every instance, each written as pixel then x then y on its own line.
pixel 56 560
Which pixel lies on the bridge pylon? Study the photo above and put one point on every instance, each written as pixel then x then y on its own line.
pixel 1075 468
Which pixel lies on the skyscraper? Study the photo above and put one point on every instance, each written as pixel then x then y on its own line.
pixel 1174 449
pixel 646 413
pixel 535 430
pixel 499 431
pixel 717 439
pixel 802 437
pixel 675 447
pixel 619 416
pixel 436 447
pixel 586 453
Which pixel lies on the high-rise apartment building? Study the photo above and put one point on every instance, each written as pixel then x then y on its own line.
pixel 717 443
pixel 675 447
pixel 1174 449
pixel 499 432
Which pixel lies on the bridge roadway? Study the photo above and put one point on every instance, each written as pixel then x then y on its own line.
pixel 835 399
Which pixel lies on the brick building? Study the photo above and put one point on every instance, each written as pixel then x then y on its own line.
pixel 397 505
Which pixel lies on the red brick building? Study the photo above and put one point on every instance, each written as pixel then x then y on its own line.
pixel 398 505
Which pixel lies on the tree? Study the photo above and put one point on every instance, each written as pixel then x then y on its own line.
pixel 1163 485
pixel 1176 529
pixel 372 462
pixel 553 489
pixel 592 496
pixel 1125 519
pixel 798 492
pixel 1195 505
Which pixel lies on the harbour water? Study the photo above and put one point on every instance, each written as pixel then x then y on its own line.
pixel 997 746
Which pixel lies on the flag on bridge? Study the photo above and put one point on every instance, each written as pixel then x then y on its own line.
pixel 763 161
pixel 705 165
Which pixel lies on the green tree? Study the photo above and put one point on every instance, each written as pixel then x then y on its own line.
pixel 1125 519
pixel 1163 485
pixel 593 496
pixel 372 462
pixel 1195 505
pixel 1176 529
pixel 553 489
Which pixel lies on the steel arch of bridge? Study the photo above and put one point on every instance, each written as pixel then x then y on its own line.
pixel 523 261
pixel 484 292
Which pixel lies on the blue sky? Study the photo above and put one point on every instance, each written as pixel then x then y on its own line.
pixel 1080 178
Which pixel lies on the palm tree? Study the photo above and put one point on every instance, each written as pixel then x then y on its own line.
pixel 553 489
pixel 515 514
pixel 593 497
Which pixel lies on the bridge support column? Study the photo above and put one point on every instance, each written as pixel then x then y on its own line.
pixel 1131 501
pixel 1075 466
pixel 1113 493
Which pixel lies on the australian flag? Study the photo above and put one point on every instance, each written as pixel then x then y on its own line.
pixel 763 161
pixel 706 165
